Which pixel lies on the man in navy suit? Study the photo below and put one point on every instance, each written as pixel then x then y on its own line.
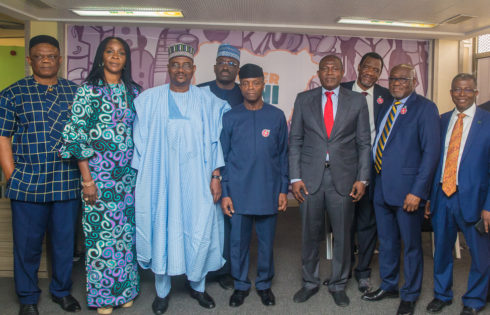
pixel 461 196
pixel 406 151
pixel 364 224
pixel 486 106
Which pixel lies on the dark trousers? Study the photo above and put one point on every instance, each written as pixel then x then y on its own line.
pixel 394 224
pixel 29 224
pixel 241 234
pixel 446 220
pixel 364 226
pixel 340 212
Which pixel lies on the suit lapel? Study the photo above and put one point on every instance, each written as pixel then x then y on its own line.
pixel 398 121
pixel 444 125
pixel 343 106
pixel 316 109
pixel 474 130
pixel 376 106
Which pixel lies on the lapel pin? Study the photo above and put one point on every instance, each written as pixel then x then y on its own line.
pixel 265 133
pixel 380 100
pixel 404 110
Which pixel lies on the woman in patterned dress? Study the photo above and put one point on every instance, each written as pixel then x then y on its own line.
pixel 99 136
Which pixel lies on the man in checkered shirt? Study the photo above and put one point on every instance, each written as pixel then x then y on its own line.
pixel 43 189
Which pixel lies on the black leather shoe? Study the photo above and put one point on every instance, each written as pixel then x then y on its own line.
pixel 28 309
pixel 238 297
pixel 469 311
pixel 304 294
pixel 267 297
pixel 226 282
pixel 379 294
pixel 364 285
pixel 204 299
pixel 67 303
pixel 160 305
pixel 406 308
pixel 436 305
pixel 340 298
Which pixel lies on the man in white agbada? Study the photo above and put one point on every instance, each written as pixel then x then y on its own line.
pixel 179 228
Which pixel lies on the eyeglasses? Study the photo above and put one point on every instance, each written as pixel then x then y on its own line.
pixel 176 66
pixel 227 63
pixel 401 80
pixel 38 58
pixel 466 90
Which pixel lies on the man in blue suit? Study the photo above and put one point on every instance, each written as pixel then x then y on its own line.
pixel 406 151
pixel 461 196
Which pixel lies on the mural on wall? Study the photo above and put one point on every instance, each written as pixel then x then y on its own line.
pixel 290 61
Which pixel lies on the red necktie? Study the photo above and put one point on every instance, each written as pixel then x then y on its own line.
pixel 365 93
pixel 328 113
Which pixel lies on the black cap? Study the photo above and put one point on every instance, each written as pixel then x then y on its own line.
pixel 250 71
pixel 44 39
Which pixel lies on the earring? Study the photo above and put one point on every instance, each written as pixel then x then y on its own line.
pixel 101 64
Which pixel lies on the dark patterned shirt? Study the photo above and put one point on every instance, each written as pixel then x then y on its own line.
pixel 34 115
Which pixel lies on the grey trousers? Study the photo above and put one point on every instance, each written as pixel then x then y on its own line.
pixel 326 203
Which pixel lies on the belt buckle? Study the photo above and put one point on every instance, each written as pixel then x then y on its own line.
pixel 327 164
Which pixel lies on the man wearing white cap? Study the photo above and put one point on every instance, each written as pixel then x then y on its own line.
pixel 179 226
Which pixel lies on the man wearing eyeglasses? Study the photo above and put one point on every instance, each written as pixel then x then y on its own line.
pixel 226 70
pixel 224 87
pixel 405 152
pixel 461 196
pixel 43 189
pixel 179 225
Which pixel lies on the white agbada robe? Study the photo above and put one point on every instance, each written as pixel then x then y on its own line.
pixel 179 230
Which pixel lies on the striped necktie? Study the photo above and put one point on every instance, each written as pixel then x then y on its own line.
pixel 452 155
pixel 384 136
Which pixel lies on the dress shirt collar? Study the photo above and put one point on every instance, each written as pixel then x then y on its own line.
pixel 357 88
pixel 403 100
pixel 335 91
pixel 470 112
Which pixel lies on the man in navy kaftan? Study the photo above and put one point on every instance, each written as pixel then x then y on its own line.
pixel 255 182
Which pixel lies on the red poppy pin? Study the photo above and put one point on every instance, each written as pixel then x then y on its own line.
pixel 266 133
pixel 380 100
pixel 403 111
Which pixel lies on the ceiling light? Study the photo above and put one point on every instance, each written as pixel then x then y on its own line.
pixel 365 21
pixel 131 12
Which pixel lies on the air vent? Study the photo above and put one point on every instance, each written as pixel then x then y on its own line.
pixel 460 18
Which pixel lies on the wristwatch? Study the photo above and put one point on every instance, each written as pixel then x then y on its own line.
pixel 217 177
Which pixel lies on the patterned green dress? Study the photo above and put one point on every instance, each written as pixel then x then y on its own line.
pixel 100 129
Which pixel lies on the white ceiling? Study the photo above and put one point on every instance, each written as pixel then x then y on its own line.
pixel 298 16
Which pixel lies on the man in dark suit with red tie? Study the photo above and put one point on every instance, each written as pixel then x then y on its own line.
pixel 364 224
pixel 461 197
pixel 405 152
pixel 329 166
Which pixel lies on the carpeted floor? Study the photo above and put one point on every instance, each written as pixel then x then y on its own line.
pixel 286 282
